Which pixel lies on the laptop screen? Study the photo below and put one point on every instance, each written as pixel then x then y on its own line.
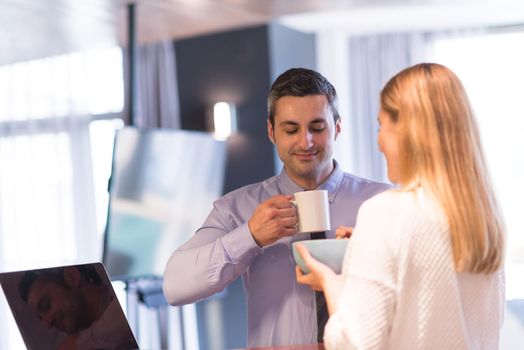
pixel 67 307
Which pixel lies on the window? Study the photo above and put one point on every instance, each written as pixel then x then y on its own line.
pixel 58 116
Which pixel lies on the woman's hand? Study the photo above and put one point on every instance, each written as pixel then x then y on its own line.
pixel 318 274
pixel 343 232
pixel 320 278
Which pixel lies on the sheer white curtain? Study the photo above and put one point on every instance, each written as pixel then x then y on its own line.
pixel 372 61
pixel 47 195
pixel 157 90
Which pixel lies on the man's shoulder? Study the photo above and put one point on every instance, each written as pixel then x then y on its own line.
pixel 357 183
pixel 254 190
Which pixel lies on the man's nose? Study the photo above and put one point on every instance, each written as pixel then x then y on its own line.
pixel 47 319
pixel 306 140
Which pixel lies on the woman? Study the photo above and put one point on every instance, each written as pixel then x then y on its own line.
pixel 423 268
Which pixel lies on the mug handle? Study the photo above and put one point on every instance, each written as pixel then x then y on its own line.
pixel 294 204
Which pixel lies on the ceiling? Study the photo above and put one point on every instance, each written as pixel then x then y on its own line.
pixel 36 28
pixel 39 28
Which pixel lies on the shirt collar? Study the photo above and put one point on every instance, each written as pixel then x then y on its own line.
pixel 331 184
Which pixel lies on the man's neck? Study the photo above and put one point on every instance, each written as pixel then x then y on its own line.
pixel 314 182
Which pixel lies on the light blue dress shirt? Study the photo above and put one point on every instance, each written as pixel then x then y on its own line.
pixel 280 311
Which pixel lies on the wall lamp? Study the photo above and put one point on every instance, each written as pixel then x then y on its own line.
pixel 224 120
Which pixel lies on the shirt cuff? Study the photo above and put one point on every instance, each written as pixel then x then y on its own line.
pixel 240 245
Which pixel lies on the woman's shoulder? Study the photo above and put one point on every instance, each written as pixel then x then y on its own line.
pixel 392 199
pixel 399 204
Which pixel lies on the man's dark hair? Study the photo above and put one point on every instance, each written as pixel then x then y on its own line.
pixel 55 275
pixel 301 82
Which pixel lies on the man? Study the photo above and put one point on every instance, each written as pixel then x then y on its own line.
pixel 249 231
pixel 75 301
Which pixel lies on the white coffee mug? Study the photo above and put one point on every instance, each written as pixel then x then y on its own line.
pixel 312 211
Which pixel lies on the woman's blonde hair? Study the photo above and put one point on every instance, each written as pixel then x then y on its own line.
pixel 440 151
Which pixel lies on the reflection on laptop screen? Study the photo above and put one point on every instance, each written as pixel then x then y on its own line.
pixel 67 307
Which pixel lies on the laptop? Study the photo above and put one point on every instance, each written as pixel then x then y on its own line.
pixel 67 307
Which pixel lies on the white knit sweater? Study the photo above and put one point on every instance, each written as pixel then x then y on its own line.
pixel 401 289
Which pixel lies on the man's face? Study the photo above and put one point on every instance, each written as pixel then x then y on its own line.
pixel 57 306
pixel 304 134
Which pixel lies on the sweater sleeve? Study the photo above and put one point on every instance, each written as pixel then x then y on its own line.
pixel 365 310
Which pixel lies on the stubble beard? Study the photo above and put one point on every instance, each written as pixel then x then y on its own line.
pixel 309 170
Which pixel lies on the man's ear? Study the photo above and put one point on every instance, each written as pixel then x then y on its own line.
pixel 72 276
pixel 270 132
pixel 338 129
